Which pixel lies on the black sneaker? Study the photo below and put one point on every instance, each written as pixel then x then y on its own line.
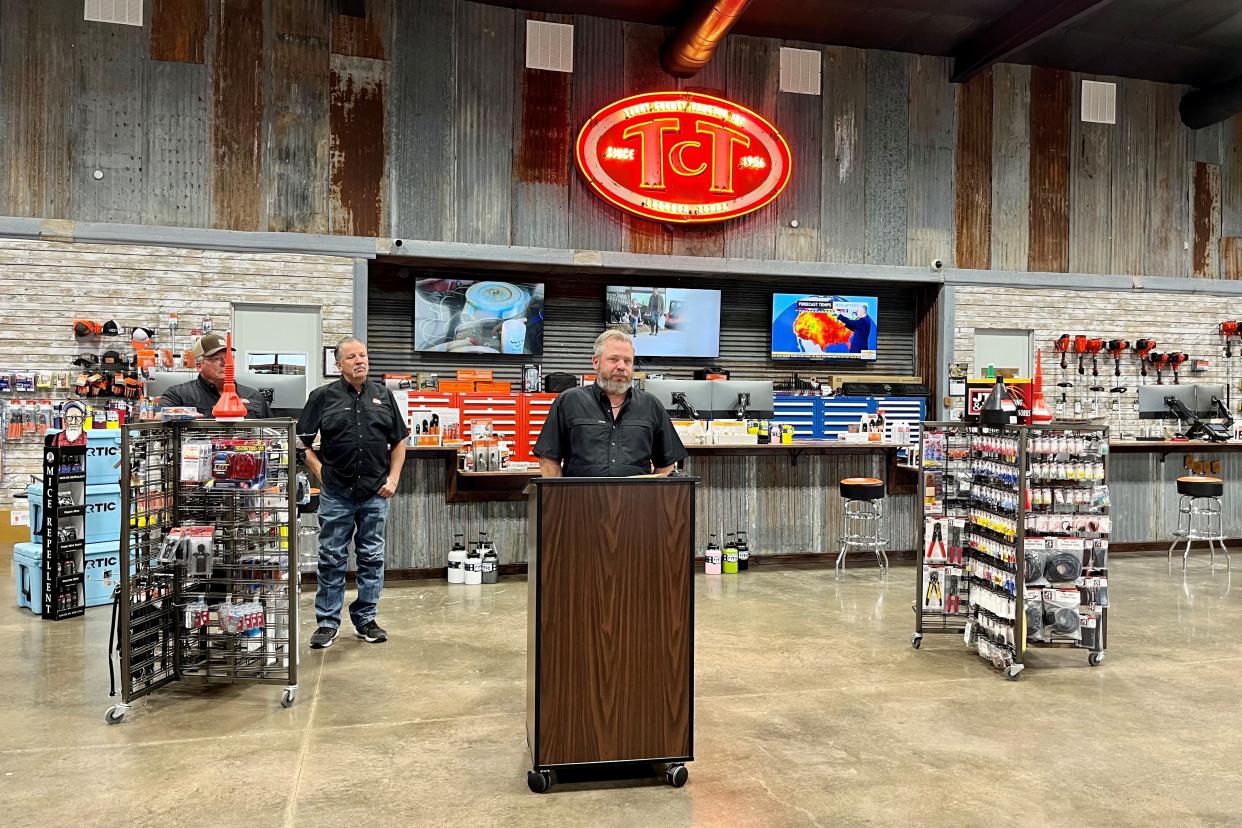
pixel 323 638
pixel 372 633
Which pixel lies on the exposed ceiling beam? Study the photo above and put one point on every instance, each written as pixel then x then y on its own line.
pixel 1026 24
pixel 691 47
pixel 1212 104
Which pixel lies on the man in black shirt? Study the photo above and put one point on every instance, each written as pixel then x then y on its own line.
pixel 203 391
pixel 361 451
pixel 608 429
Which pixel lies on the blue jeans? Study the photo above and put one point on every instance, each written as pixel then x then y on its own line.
pixel 342 519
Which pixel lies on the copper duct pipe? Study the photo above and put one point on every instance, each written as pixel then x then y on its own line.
pixel 691 47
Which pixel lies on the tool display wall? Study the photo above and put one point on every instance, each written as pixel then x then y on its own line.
pixel 1014 539
pixel 209 579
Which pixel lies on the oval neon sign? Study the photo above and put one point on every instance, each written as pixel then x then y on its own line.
pixel 682 157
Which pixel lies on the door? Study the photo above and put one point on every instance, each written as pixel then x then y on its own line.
pixel 1003 348
pixel 279 347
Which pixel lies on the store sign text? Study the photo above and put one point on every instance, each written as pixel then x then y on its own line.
pixel 682 157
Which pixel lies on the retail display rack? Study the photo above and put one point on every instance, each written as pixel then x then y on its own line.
pixel 209 565
pixel 1014 539
pixel 64 530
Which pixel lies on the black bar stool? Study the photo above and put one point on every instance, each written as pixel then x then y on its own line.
pixel 865 525
pixel 1199 517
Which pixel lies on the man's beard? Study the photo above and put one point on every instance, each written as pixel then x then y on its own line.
pixel 613 386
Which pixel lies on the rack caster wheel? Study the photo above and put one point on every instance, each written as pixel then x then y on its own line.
pixel 288 697
pixel 917 641
pixel 539 781
pixel 1095 659
pixel 116 714
pixel 676 775
pixel 1013 672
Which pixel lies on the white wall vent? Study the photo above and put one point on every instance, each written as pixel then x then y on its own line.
pixel 800 70
pixel 549 46
pixel 125 12
pixel 1099 102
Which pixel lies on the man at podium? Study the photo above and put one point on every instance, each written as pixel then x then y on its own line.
pixel 609 428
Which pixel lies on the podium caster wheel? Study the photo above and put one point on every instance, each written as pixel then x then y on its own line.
pixel 1013 672
pixel 677 775
pixel 288 697
pixel 116 714
pixel 917 641
pixel 1095 659
pixel 539 781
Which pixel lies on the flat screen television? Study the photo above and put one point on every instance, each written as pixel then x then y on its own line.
pixel 815 326
pixel 667 322
pixel 477 316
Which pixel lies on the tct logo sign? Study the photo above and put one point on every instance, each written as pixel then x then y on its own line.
pixel 683 157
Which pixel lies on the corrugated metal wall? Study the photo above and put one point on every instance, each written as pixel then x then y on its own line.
pixel 575 316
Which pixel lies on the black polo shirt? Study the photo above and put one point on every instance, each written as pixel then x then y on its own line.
pixel 357 431
pixel 581 432
pixel 202 395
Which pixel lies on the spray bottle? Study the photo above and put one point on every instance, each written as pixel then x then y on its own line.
pixel 457 560
pixel 491 565
pixel 730 555
pixel 743 552
pixel 711 564
pixel 474 565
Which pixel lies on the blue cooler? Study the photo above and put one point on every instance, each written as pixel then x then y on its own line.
pixel 103 574
pixel 103 513
pixel 103 456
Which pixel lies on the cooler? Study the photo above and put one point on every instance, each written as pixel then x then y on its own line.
pixel 103 513
pixel 103 456
pixel 103 572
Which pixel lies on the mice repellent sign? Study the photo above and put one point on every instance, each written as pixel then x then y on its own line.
pixel 682 157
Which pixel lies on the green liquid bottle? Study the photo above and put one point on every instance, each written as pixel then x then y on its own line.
pixel 730 555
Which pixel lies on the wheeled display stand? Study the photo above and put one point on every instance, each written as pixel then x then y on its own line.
pixel 1014 539
pixel 64 530
pixel 209 565
pixel 610 630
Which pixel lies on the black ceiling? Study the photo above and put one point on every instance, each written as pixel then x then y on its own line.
pixel 1194 42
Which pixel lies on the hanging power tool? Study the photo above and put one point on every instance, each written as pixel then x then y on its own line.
pixel 1117 347
pixel 1094 346
pixel 1176 360
pixel 1143 347
pixel 1062 346
pixel 1158 361
pixel 1080 348
pixel 1229 330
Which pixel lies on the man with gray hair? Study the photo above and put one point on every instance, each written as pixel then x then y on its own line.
pixel 608 429
pixel 361 451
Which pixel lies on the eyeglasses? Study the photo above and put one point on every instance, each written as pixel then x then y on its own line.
pixel 214 358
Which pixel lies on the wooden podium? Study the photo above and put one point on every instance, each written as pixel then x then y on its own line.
pixel 610 630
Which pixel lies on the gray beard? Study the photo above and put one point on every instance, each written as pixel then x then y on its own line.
pixel 611 386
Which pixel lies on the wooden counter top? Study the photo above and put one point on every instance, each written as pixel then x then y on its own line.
pixel 1171 446
pixel 798 446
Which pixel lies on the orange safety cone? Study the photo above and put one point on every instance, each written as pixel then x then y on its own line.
pixel 229 406
pixel 1040 415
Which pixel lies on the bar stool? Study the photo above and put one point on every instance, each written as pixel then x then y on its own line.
pixel 865 525
pixel 1199 516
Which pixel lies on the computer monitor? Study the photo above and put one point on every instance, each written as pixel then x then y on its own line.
pixel 288 391
pixel 698 394
pixel 725 398
pixel 161 381
pixel 1204 392
pixel 1151 400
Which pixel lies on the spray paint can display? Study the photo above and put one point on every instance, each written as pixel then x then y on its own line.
pixel 743 552
pixel 491 565
pixel 712 556
pixel 730 555
pixel 457 561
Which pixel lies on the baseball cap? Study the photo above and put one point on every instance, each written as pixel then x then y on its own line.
pixel 110 328
pixel 209 344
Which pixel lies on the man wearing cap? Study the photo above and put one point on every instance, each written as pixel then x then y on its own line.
pixel 203 391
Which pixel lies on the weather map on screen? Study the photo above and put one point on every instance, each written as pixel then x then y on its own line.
pixel 808 326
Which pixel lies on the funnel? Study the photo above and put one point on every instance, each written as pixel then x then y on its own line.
pixel 1040 415
pixel 229 406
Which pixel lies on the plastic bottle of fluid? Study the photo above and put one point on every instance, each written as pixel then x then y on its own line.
pixel 491 565
pixel 712 556
pixel 474 566
pixel 457 561
pixel 730 555
pixel 743 552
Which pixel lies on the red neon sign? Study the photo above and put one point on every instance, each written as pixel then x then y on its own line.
pixel 682 157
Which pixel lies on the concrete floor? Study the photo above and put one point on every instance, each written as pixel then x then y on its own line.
pixel 812 709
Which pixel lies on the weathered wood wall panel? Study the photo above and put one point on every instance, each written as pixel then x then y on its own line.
pixel 929 188
pixel 1231 257
pixel 708 239
pixel 1169 221
pixel 297 140
pixel 801 119
pixel 484 118
pixel 1231 182
pixel 598 51
pixel 1091 190
pixel 179 30
pixel 1132 172
pixel 1050 151
pixel 237 116
pixel 1205 220
pixel 422 108
pixel 886 133
pixel 1207 144
pixel 973 174
pixel 106 125
pixel 367 36
pixel 753 82
pixel 178 166
pixel 36 84
pixel 308 18
pixel 543 147
pixel 643 72
pixel 356 121
pixel 1011 166
pixel 842 231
